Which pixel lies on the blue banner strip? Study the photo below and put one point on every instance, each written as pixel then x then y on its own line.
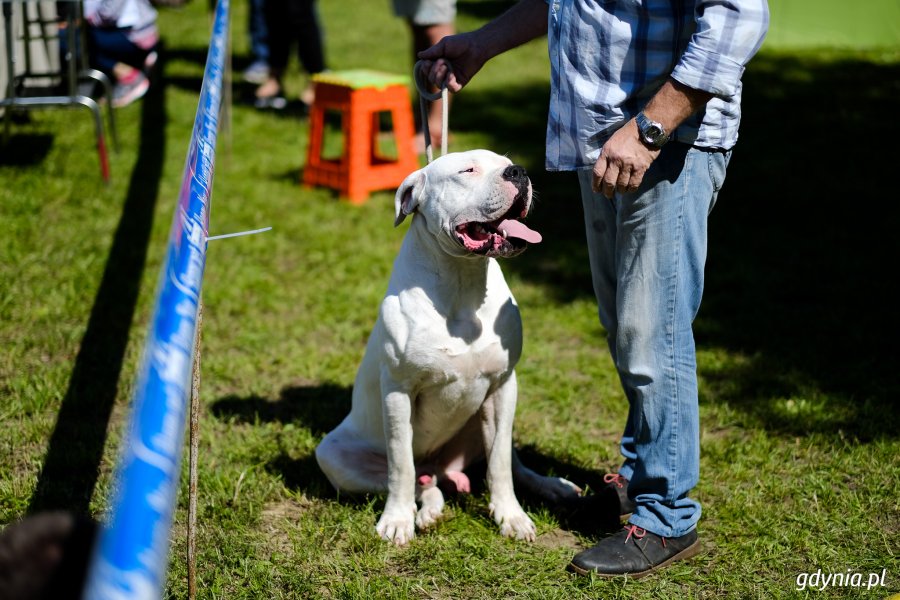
pixel 132 551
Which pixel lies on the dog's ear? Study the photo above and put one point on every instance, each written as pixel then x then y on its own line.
pixel 407 199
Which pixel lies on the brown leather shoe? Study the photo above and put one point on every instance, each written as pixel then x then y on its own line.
pixel 634 552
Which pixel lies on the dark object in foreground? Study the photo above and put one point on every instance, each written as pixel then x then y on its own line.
pixel 45 557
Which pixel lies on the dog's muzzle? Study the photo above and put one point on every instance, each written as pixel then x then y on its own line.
pixel 506 236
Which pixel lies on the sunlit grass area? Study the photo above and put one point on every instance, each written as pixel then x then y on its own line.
pixel 797 335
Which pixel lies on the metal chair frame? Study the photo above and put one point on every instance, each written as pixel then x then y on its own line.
pixel 75 83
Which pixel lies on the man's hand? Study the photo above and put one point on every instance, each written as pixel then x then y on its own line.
pixel 625 159
pixel 623 162
pixel 466 53
pixel 454 60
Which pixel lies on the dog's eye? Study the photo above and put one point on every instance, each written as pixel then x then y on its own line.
pixel 469 170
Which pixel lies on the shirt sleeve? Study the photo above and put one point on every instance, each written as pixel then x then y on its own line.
pixel 728 34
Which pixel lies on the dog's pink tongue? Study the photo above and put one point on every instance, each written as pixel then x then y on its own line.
pixel 519 230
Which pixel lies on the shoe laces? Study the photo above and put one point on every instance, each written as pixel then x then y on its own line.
pixel 634 531
pixel 619 480
pixel 638 533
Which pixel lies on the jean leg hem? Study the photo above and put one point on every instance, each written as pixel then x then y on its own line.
pixel 654 525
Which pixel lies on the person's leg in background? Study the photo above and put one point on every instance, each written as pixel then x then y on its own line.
pixel 112 51
pixel 429 21
pixel 270 93
pixel 290 20
pixel 425 36
pixel 108 46
pixel 258 29
pixel 305 20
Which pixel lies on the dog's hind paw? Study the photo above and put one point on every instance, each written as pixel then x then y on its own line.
pixel 514 523
pixel 428 516
pixel 432 507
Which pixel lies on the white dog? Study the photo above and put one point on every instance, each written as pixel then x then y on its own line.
pixel 436 389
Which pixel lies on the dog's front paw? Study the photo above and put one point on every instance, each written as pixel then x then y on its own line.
pixel 514 522
pixel 397 526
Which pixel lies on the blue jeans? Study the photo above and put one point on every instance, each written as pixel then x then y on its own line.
pixel 647 251
pixel 259 31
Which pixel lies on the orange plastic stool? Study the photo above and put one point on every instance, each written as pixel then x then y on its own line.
pixel 360 96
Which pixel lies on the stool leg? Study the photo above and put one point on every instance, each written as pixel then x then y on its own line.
pixel 374 155
pixel 358 140
pixel 404 135
pixel 316 133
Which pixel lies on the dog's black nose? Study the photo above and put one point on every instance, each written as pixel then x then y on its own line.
pixel 515 173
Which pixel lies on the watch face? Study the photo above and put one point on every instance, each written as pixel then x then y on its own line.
pixel 651 132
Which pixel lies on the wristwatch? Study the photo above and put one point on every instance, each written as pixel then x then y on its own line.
pixel 652 132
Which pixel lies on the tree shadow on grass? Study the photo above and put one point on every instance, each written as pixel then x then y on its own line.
pixel 72 463
pixel 242 92
pixel 802 242
pixel 175 77
pixel 318 408
pixel 198 57
pixel 802 248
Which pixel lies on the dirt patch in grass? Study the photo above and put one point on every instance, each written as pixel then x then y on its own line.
pixel 275 520
pixel 559 538
pixel 285 510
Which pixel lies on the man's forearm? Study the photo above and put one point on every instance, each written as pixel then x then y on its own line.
pixel 673 103
pixel 525 21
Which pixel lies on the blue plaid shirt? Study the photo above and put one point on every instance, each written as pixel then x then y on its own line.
pixel 608 58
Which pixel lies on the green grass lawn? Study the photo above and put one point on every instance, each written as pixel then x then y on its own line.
pixel 797 338
pixel 833 23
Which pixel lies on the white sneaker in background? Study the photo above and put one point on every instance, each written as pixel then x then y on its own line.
pixel 257 72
